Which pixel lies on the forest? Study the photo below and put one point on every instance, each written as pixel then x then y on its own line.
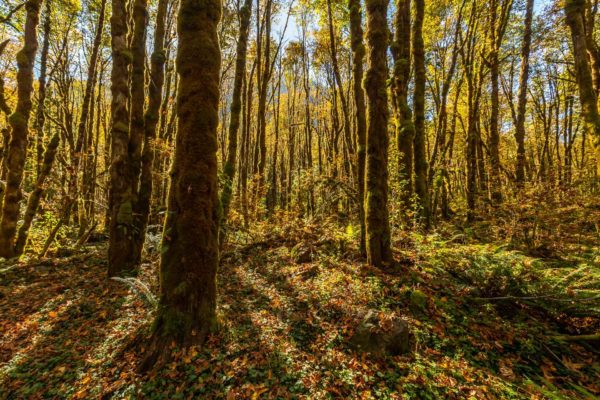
pixel 299 199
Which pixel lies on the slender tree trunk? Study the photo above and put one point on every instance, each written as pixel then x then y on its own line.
pixel 19 123
pixel 376 196
pixel 420 152
pixel 405 129
pixel 190 249
pixel 85 123
pixel 36 195
pixel 358 56
pixel 40 117
pixel 151 117
pixel 236 111
pixel 522 96
pixel 340 87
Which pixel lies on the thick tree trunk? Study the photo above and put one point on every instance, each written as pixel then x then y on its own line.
pixel 121 202
pixel 190 249
pixel 358 56
pixel 19 123
pixel 376 196
pixel 574 11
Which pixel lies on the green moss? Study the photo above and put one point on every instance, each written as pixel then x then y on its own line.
pixel 418 301
pixel 17 119
pixel 125 214
pixel 121 127
pixel 127 55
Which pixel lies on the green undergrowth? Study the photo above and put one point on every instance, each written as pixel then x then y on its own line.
pixel 487 322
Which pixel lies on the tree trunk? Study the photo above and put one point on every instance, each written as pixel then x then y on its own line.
pixel 236 110
pixel 376 196
pixel 151 117
pixel 358 56
pixel 120 203
pixel 522 96
pixel 35 196
pixel 574 11
pixel 421 189
pixel 40 117
pixel 19 123
pixel 190 249
pixel 405 129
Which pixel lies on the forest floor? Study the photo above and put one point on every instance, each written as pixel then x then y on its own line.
pixel 290 299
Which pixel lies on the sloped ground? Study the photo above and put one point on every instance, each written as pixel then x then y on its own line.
pixel 290 300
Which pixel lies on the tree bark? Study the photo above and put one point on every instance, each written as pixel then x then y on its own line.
pixel 19 123
pixel 405 129
pixel 522 96
pixel 190 249
pixel 574 11
pixel 376 196
pixel 358 56
pixel 120 203
pixel 151 117
pixel 420 153
pixel 236 110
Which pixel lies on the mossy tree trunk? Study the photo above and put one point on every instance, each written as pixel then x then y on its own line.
pixel 420 153
pixel 36 195
pixel 19 123
pixel 575 12
pixel 405 129
pixel 236 111
pixel 358 57
pixel 376 196
pixel 120 202
pixel 151 117
pixel 190 249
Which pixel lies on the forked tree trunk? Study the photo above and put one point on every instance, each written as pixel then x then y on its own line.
pixel 376 196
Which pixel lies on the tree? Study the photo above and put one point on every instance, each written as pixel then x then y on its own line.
pixel 522 96
pixel 190 249
pixel 420 153
pixel 358 56
pixel 19 123
pixel 405 128
pixel 376 183
pixel 236 110
pixel 574 12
